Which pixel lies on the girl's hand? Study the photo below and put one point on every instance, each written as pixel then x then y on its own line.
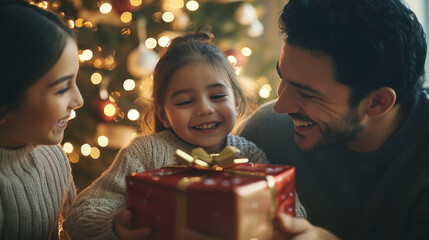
pixel 122 226
pixel 301 229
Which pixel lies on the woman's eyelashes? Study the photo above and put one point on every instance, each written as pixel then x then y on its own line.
pixel 62 91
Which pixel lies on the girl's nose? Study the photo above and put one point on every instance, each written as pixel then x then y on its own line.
pixel 287 101
pixel 205 107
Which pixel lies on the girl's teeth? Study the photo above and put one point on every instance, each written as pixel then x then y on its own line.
pixel 206 126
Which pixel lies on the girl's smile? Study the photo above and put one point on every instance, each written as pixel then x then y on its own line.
pixel 200 106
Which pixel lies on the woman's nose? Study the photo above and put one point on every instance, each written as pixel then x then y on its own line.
pixel 77 99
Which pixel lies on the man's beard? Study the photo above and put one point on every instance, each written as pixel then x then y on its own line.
pixel 339 132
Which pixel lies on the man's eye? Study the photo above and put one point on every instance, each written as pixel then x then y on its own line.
pixel 63 90
pixel 185 102
pixel 305 95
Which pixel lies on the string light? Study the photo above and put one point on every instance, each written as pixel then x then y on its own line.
pixel 103 141
pixel 265 91
pixel 86 55
pixel 192 5
pixel 246 51
pixel 109 110
pixel 79 22
pixel 43 5
pixel 150 43
pixel 85 149
pixel 94 153
pixel 129 84
pixel 105 8
pixel 136 3
pixel 70 23
pixel 133 115
pixel 96 78
pixel 163 41
pixel 168 17
pixel 73 157
pixel 68 147
pixel 267 86
pixel 126 17
pixel 232 60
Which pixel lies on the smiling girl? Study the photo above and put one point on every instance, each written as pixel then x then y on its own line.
pixel 196 99
pixel 38 91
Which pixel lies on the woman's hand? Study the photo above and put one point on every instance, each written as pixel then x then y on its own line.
pixel 122 226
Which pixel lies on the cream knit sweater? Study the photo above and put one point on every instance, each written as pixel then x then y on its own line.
pixel 92 214
pixel 36 186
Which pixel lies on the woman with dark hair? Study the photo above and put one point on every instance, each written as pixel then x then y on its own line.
pixel 38 91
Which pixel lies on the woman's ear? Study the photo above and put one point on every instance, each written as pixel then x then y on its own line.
pixel 380 101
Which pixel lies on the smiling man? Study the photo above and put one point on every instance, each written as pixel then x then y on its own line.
pixel 353 117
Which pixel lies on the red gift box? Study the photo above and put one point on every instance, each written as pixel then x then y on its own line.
pixel 236 203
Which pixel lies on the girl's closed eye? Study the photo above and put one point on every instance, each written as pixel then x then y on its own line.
pixel 184 102
pixel 218 96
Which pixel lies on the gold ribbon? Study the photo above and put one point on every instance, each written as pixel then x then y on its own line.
pixel 200 159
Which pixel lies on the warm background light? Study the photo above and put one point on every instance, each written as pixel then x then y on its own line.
pixel 192 5
pixel 105 8
pixel 103 141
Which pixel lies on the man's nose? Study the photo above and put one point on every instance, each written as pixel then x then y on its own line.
pixel 287 101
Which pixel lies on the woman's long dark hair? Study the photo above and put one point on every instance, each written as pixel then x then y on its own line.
pixel 32 40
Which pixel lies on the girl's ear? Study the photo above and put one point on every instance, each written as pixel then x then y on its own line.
pixel 163 119
pixel 380 101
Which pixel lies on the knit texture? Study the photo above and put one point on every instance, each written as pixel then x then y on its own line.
pixel 36 188
pixel 92 214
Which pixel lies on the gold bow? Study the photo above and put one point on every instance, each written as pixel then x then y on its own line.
pixel 200 159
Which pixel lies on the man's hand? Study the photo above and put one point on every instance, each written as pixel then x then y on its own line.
pixel 122 226
pixel 301 229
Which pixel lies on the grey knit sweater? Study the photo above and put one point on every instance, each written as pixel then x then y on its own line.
pixel 36 188
pixel 92 214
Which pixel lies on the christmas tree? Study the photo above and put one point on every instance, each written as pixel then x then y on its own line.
pixel 119 44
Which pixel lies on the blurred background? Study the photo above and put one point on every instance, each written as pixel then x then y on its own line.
pixel 119 44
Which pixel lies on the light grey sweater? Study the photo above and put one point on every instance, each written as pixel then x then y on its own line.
pixel 92 214
pixel 36 188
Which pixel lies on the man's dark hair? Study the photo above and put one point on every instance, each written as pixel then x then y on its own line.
pixel 373 43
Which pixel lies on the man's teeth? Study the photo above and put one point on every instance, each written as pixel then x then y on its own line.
pixel 206 126
pixel 300 123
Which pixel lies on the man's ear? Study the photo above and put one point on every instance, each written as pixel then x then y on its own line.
pixel 380 101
